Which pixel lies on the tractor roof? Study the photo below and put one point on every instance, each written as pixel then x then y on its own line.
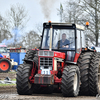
pixel 65 24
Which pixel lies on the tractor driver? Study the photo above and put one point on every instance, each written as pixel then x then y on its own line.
pixel 64 43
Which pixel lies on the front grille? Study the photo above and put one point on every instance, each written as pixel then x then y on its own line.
pixel 46 62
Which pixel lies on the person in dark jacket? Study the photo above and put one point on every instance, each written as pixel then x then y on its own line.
pixel 64 43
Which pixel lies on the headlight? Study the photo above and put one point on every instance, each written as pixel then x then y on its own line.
pixel 43 67
pixel 46 53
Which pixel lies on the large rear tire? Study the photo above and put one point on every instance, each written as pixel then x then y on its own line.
pixel 70 81
pixel 94 71
pixel 84 63
pixel 22 81
pixel 30 54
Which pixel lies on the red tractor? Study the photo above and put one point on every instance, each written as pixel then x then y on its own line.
pixel 5 61
pixel 63 62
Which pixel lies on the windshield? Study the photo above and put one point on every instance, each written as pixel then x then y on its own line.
pixel 3 49
pixel 61 39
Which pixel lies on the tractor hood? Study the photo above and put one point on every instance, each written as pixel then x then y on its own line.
pixel 48 53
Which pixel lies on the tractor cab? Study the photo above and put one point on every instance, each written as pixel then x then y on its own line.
pixel 3 49
pixel 63 37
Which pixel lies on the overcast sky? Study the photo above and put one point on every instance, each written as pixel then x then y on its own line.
pixel 36 10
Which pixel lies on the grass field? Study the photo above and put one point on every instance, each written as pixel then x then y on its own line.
pixel 4 85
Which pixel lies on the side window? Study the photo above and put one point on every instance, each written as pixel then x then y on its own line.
pixel 43 43
pixel 56 37
pixel 78 41
pixel 46 39
pixel 83 38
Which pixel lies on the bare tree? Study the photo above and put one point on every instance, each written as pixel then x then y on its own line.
pixel 4 29
pixel 72 12
pixel 39 27
pixel 85 10
pixel 17 18
pixel 93 12
pixel 31 40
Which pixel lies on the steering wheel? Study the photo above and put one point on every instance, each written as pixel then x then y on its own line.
pixel 64 48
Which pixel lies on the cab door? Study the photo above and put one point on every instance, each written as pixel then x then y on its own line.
pixel 78 42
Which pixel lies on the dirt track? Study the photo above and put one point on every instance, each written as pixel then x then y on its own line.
pixel 11 75
pixel 54 96
pixel 10 93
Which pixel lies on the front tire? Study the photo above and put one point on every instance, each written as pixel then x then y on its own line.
pixel 70 81
pixel 22 81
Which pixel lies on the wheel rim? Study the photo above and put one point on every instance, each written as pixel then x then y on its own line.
pixel 4 65
pixel 75 82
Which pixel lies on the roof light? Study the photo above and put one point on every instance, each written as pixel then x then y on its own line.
pixel 85 49
pixel 49 21
pixel 87 24
pixel 50 24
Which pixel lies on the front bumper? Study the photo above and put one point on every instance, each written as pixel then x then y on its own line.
pixel 44 79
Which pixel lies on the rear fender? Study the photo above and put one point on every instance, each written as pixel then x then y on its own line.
pixel 30 61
